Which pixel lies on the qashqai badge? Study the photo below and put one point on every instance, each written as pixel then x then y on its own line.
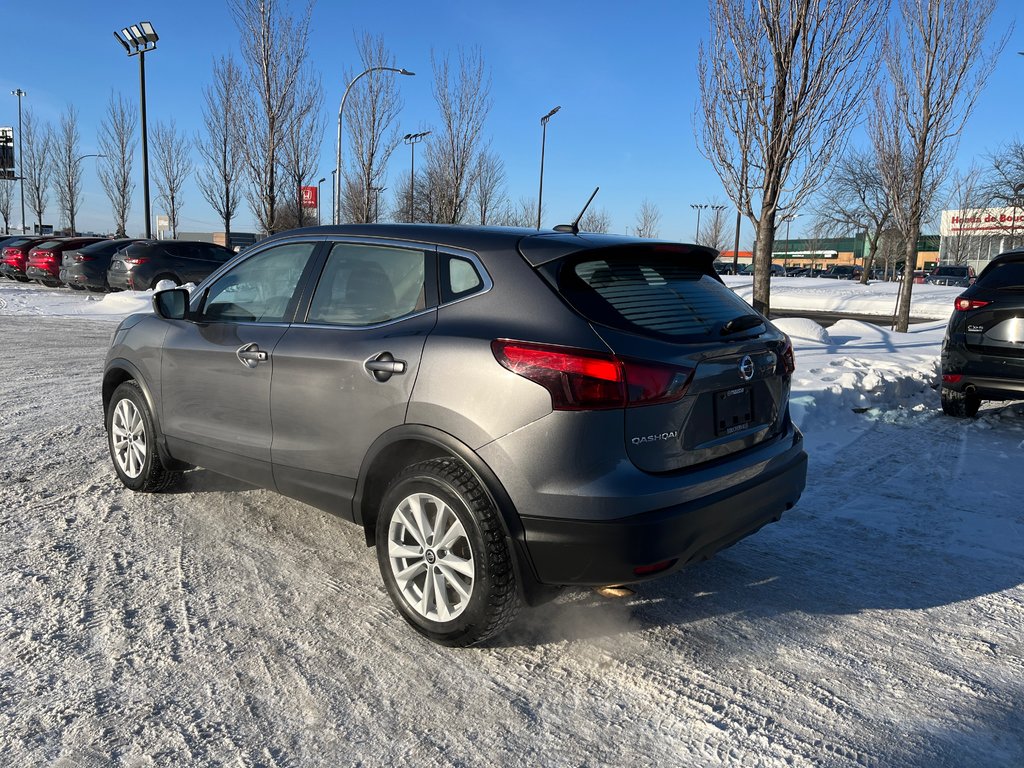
pixel 746 368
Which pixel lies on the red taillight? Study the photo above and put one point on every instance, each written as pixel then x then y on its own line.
pixel 42 256
pixel 581 380
pixel 963 304
pixel 82 257
pixel 787 360
pixel 135 260
pixel 952 378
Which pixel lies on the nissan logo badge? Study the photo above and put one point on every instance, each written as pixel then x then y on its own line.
pixel 746 368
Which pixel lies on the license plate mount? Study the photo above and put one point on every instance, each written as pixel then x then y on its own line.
pixel 734 410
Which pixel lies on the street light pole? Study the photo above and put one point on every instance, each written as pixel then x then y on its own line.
pixel 341 112
pixel 698 207
pixel 71 209
pixel 543 141
pixel 21 155
pixel 334 174
pixel 137 40
pixel 322 180
pixel 376 202
pixel 412 139
pixel 1017 189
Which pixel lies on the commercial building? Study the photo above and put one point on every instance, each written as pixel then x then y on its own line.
pixel 975 236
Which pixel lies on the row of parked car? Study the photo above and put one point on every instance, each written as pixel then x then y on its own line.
pixel 103 264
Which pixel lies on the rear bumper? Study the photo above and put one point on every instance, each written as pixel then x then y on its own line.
pixel 76 275
pixel 118 280
pixel 595 553
pixel 11 271
pixel 990 376
pixel 38 273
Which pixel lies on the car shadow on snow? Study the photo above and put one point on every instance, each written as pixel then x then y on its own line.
pixel 205 481
pixel 883 534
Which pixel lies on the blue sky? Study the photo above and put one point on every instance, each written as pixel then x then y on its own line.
pixel 624 75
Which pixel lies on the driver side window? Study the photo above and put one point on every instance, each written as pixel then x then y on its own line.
pixel 261 289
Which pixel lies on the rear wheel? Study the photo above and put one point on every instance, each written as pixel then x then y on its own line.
pixel 131 438
pixel 962 405
pixel 443 556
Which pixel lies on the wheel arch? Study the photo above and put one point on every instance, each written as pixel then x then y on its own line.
pixel 412 443
pixel 117 372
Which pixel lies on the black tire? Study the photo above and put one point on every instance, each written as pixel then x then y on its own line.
pixel 75 286
pixel 962 405
pixel 492 602
pixel 131 440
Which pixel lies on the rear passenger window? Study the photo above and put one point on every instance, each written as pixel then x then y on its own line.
pixel 650 294
pixel 368 285
pixel 1009 275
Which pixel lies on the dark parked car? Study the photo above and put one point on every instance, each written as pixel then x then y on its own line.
pixel 502 411
pixel 983 352
pixel 15 257
pixel 86 267
pixel 960 275
pixel 844 272
pixel 44 260
pixel 145 263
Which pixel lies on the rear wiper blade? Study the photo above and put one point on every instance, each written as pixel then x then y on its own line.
pixel 741 323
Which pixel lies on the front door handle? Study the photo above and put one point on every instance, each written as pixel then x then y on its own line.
pixel 383 366
pixel 250 355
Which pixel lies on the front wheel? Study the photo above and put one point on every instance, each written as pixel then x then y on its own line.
pixel 131 438
pixel 443 555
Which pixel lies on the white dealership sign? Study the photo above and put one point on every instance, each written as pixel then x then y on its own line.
pixel 982 221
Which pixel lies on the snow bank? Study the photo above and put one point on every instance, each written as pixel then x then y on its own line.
pixel 856 372
pixel 793 294
pixel 34 299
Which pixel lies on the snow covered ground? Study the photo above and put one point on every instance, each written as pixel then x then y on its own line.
pixel 881 622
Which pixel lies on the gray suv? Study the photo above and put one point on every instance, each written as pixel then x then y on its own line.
pixel 503 411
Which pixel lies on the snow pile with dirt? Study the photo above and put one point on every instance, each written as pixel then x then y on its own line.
pixel 880 623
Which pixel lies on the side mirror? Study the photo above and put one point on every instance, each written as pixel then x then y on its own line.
pixel 172 304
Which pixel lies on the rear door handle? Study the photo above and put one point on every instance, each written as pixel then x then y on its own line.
pixel 250 355
pixel 383 366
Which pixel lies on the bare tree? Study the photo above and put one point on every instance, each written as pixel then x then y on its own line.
pixel 117 143
pixel 275 49
pixel 648 218
pixel 67 167
pixel 464 101
pixel 221 146
pixel 596 220
pixel 372 110
pixel 488 186
pixel 714 233
pixel 937 66
pixel 303 137
pixel 856 200
pixel 1003 183
pixel 522 213
pixel 37 163
pixel 172 165
pixel 781 82
pixel 6 202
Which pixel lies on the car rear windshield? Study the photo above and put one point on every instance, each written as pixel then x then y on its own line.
pixel 951 272
pixel 1007 275
pixel 650 294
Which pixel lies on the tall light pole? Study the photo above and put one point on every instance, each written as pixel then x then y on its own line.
pixel 322 180
pixel 788 218
pixel 21 155
pixel 543 140
pixel 334 174
pixel 698 207
pixel 376 201
pixel 138 40
pixel 341 112
pixel 412 139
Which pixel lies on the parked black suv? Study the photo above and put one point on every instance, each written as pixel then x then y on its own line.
pixel 959 275
pixel 87 267
pixel 983 352
pixel 503 411
pixel 145 263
